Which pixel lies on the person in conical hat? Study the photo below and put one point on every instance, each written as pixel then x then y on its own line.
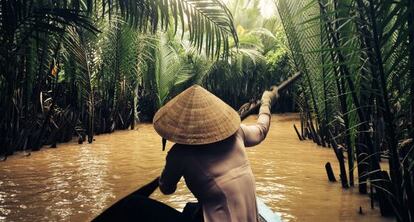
pixel 209 152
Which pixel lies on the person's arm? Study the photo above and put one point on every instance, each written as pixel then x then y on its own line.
pixel 171 174
pixel 254 134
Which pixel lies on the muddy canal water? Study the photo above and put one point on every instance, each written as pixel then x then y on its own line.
pixel 75 182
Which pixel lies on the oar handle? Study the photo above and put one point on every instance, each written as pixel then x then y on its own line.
pixel 289 81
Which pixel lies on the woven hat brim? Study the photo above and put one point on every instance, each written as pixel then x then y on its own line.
pixel 196 117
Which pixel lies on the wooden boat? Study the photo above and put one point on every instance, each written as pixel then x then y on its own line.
pixel 265 213
pixel 137 206
pixel 145 209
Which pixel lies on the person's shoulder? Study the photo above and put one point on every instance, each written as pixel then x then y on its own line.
pixel 173 153
pixel 176 149
pixel 178 152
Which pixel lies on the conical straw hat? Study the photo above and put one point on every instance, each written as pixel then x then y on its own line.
pixel 196 117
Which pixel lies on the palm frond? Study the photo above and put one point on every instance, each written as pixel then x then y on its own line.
pixel 210 23
pixel 170 72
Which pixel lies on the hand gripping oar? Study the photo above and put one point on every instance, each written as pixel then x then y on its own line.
pixel 145 191
pixel 276 90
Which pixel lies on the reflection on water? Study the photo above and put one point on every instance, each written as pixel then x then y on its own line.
pixel 76 182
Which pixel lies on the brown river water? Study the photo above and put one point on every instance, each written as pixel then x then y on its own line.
pixel 75 182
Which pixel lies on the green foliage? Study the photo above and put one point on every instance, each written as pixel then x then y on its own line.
pixel 257 62
pixel 76 66
pixel 89 67
pixel 171 70
pixel 260 60
pixel 358 60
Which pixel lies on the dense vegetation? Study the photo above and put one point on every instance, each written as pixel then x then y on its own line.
pixel 85 67
pixel 358 92
pixel 78 68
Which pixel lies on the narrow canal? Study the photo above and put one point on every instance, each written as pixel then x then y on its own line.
pixel 75 182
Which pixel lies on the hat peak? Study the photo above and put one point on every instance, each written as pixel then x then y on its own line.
pixel 196 86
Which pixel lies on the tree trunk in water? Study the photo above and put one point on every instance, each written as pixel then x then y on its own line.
pixel 297 132
pixel 362 162
pixel 329 172
pixel 340 156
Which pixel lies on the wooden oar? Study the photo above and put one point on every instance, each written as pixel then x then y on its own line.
pixel 147 189
pixel 138 207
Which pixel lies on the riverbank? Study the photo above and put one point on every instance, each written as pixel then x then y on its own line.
pixel 76 182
